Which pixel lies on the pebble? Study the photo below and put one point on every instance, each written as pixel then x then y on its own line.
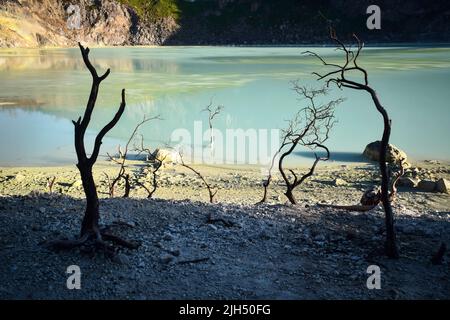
pixel 166 258
pixel 168 236
pixel 211 226
pixel 319 238
pixel 121 259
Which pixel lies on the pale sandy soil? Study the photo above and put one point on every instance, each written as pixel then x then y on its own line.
pixel 236 184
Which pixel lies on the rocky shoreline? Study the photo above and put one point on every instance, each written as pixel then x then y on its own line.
pixel 237 184
pixel 234 249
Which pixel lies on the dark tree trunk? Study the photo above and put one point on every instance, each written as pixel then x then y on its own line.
pixel 391 243
pixel 265 185
pixel 290 196
pixel 91 216
pixel 269 177
pixel 127 186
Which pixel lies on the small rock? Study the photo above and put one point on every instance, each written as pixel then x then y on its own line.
pixel 20 177
pixel 167 236
pixel 166 258
pixel 427 185
pixel 121 259
pixel 265 235
pixel 443 186
pixel 339 182
pixel 354 277
pixel 42 210
pixel 175 252
pixel 371 196
pixel 319 237
pixel 212 226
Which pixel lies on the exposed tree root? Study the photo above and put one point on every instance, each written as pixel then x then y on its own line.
pixel 66 244
pixel 119 241
pixel 95 240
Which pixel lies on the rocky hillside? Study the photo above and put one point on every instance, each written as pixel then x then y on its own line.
pixel 307 21
pixel 35 23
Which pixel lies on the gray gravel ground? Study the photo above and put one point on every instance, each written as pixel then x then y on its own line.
pixel 271 251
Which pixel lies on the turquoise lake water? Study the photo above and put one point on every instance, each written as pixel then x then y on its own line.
pixel 41 91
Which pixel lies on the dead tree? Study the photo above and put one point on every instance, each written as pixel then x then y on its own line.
pixel 212 113
pixel 268 180
pixel 50 183
pixel 310 128
pixel 122 174
pixel 90 225
pixel 212 191
pixel 343 75
pixel 156 166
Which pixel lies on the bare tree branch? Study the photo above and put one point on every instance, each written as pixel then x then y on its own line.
pixel 212 191
pixel 123 157
pixel 310 128
pixel 212 113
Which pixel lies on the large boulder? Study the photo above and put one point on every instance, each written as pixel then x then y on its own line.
pixel 371 196
pixel 163 155
pixel 427 185
pixel 443 186
pixel 393 155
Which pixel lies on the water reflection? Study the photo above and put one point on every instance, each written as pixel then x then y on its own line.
pixel 42 90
